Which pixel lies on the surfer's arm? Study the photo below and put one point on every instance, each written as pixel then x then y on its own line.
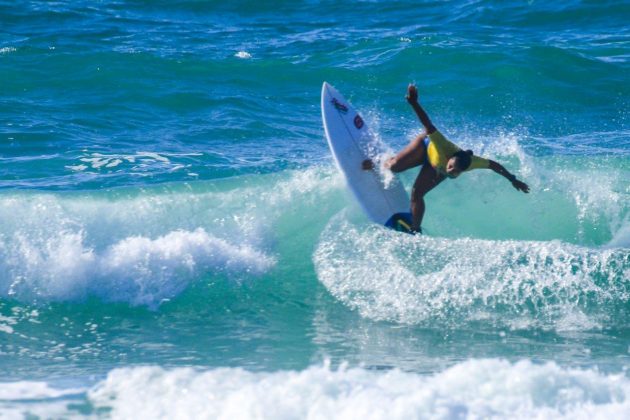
pixel 498 168
pixel 412 99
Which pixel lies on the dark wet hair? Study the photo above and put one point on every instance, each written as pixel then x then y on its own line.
pixel 463 159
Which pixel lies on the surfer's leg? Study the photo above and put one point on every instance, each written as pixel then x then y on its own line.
pixel 427 179
pixel 412 155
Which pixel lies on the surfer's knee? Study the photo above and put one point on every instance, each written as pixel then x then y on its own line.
pixel 393 164
pixel 420 137
pixel 417 194
pixel 419 142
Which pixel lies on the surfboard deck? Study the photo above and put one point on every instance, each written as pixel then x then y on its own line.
pixel 351 143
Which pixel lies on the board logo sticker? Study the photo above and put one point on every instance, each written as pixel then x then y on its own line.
pixel 339 106
pixel 358 121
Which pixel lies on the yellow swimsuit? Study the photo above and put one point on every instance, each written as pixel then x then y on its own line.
pixel 440 150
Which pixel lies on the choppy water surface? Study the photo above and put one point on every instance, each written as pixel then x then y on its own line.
pixel 173 230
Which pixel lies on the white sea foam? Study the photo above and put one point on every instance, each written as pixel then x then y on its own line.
pixel 6 328
pixel 138 161
pixel 143 247
pixel 518 284
pixel 7 50
pixel 474 389
pixel 30 390
pixel 19 400
pixel 485 388
pixel 137 269
pixel 77 168
pixel 243 55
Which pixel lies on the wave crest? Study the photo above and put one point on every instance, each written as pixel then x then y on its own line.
pixel 136 269
pixel 518 284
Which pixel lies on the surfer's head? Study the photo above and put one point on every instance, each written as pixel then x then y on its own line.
pixel 458 163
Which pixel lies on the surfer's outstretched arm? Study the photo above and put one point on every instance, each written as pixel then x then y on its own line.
pixel 498 168
pixel 412 99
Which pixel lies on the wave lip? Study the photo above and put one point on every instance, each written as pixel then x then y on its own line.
pixel 136 269
pixel 490 388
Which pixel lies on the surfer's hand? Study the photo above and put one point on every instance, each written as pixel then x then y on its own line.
pixel 412 94
pixel 521 186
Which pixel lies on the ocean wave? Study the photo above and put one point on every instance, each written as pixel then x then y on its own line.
pixel 138 270
pixel 432 280
pixel 485 388
pixel 146 246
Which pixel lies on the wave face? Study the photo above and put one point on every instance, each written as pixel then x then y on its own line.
pixel 142 248
pixel 287 261
pixel 168 200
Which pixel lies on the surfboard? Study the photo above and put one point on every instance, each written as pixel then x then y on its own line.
pixel 350 142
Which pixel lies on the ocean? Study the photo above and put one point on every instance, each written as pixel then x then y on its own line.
pixel 176 242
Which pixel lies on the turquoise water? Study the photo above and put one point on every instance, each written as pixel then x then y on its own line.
pixel 175 238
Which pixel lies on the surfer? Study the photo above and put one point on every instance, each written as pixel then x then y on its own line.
pixel 440 159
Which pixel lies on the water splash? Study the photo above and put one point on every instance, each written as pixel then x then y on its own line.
pixel 439 281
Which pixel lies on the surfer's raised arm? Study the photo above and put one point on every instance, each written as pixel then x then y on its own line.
pixel 498 168
pixel 412 99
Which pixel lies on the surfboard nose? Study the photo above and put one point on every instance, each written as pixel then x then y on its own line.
pixel 325 86
pixel 329 90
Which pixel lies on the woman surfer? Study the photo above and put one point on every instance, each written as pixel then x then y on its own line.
pixel 439 159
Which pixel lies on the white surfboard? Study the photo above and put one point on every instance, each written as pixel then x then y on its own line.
pixel 351 143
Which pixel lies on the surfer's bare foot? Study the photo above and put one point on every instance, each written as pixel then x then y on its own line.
pixel 367 165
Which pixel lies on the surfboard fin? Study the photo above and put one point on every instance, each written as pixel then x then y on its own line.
pixel 401 222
